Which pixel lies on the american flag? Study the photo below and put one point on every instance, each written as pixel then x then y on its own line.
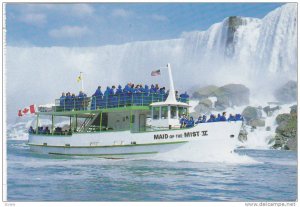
pixel 155 73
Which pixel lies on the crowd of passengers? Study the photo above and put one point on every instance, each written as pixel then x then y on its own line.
pixel 113 97
pixel 45 130
pixel 184 123
pixel 189 122
pixel 69 102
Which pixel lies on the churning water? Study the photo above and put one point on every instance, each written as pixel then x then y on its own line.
pixel 252 175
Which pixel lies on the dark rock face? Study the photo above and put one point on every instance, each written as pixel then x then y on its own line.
pixel 282 118
pixel 253 117
pixel 286 132
pixel 232 95
pixel 293 109
pixel 251 113
pixel 269 111
pixel 257 123
pixel 233 24
pixel 205 92
pixel 243 135
pixel 227 96
pixel 204 106
pixel 287 93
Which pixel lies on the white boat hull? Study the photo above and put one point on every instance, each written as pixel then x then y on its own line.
pixel 220 135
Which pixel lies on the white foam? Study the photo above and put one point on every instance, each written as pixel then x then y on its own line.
pixel 190 152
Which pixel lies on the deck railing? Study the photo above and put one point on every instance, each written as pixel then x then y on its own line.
pixel 110 101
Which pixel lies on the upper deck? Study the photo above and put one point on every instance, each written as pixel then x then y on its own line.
pixel 76 104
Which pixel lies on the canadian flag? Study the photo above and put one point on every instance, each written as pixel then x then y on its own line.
pixel 27 110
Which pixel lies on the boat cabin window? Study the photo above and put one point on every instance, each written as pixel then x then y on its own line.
pixel 173 112
pixel 164 112
pixel 181 111
pixel 155 113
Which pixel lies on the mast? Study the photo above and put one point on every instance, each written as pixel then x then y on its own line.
pixel 171 96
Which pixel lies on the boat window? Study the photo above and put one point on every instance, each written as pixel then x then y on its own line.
pixel 164 112
pixel 173 112
pixel 181 111
pixel 133 118
pixel 155 112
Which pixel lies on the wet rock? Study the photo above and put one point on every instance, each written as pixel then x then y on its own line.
pixel 204 106
pixel 227 96
pixel 293 109
pixel 268 128
pixel 282 118
pixel 251 113
pixel 205 92
pixel 233 24
pixel 270 110
pixel 206 102
pixel 243 135
pixel 286 132
pixel 257 123
pixel 287 93
pixel 232 95
pixel 292 144
pixel 195 115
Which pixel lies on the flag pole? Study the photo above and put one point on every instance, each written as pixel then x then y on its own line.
pixel 81 81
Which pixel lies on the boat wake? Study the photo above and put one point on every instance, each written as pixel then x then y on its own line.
pixel 190 153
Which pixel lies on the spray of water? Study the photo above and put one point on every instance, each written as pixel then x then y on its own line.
pixel 260 54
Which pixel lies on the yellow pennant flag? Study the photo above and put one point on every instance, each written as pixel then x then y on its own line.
pixel 79 78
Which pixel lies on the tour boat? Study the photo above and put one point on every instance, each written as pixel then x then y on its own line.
pixel 129 126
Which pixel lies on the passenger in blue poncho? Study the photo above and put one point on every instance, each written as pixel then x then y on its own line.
pixel 68 101
pixel 218 118
pixel 112 90
pixel 231 118
pixel 238 117
pixel 152 89
pixel 203 119
pixel 183 121
pixel 31 130
pixel 162 94
pixel 107 91
pixel 199 120
pixel 146 90
pixel 211 118
pixel 62 100
pixel 127 94
pixel 190 123
pixel 97 98
pixel 223 117
pixel 80 102
pixel 156 88
pixel 146 99
pixel 106 96
pixel 184 97
pixel 120 95
pixel 119 90
pixel 74 101
pixel 113 100
pixel 98 92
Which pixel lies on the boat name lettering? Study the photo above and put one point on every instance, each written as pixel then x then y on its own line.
pixel 161 136
pixel 204 133
pixel 182 135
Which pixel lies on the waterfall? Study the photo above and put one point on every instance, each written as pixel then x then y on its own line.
pixel 255 52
